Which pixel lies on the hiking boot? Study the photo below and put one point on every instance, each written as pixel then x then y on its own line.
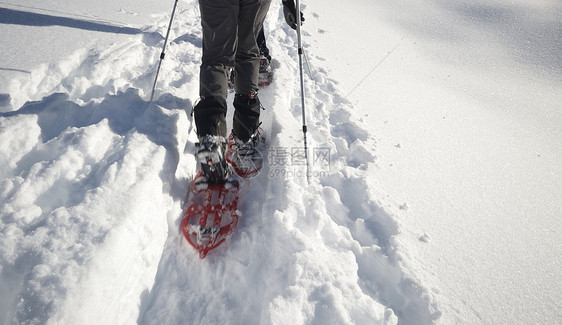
pixel 244 157
pixel 212 159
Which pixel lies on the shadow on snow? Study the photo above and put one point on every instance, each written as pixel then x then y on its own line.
pixel 17 17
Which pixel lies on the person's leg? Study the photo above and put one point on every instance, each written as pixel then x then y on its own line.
pixel 219 20
pixel 262 45
pixel 251 17
pixel 246 103
pixel 261 38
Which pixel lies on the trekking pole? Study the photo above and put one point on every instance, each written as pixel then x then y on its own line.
pixel 163 54
pixel 300 50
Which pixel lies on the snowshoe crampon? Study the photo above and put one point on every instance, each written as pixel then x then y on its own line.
pixel 211 215
pixel 265 78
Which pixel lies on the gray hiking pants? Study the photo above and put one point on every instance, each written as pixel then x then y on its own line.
pixel 230 29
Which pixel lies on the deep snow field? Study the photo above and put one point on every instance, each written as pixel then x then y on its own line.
pixel 434 129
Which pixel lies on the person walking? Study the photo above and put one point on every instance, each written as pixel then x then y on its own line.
pixel 230 33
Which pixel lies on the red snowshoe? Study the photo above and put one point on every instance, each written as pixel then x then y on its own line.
pixel 212 213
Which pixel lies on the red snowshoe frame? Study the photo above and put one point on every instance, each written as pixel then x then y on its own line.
pixel 211 215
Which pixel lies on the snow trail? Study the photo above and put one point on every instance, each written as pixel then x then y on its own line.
pixel 94 178
pixel 289 250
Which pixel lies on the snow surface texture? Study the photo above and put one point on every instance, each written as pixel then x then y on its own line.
pixel 93 177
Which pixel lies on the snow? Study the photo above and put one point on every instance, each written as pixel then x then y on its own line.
pixel 433 199
pixel 467 119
